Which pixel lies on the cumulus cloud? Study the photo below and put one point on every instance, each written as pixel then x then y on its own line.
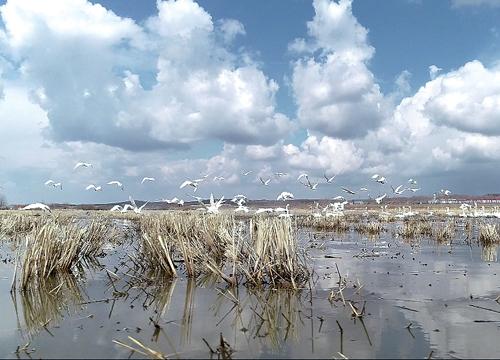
pixel 331 155
pixel 87 67
pixel 336 93
pixel 467 99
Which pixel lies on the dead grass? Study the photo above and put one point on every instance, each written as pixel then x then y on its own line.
pixel 489 234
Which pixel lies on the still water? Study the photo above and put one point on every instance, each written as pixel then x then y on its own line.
pixel 420 299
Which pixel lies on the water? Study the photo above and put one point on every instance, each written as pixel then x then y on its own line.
pixel 417 299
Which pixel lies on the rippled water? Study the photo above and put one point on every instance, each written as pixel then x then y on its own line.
pixel 418 297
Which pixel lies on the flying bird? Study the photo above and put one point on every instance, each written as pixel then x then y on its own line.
pixel 349 191
pixel 116 208
pixel 280 174
pixel 302 175
pixel 82 164
pixel 93 187
pixel 214 206
pixel 329 180
pixel 380 198
pixel 136 209
pixel 189 183
pixel 266 182
pixel 151 179
pixel 446 192
pixel 116 183
pixel 245 173
pixel 53 184
pixel 218 178
pixel 399 190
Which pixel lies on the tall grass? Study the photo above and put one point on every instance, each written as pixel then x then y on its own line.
pixel 489 234
pixel 52 247
pixel 262 250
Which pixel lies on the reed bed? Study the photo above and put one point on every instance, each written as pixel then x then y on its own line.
pixel 371 228
pixel 445 233
pixel 52 247
pixel 489 234
pixel 262 250
pixel 332 223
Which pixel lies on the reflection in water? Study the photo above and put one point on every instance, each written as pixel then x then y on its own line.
pixel 187 315
pixel 489 253
pixel 46 302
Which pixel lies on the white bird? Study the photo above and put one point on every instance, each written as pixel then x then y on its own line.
pixel 285 195
pixel 349 191
pixel 279 174
pixel 375 176
pixel 117 183
pixel 116 208
pixel 381 180
pixel 265 182
pixel 93 187
pixel 37 206
pixel 380 198
pixel 329 180
pixel 399 190
pixel 136 209
pixel 147 179
pixel 340 197
pixel 245 173
pixel 190 183
pixel 303 175
pixel 214 206
pixel 218 178
pixel 363 189
pixel 53 184
pixel 82 164
pixel 413 189
pixel 280 209
pixel 445 192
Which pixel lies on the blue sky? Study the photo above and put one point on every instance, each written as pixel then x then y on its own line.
pixel 176 90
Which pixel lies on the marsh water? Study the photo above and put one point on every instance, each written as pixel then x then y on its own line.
pixel 420 299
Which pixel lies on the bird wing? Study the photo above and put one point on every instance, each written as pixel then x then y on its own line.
pixel 132 201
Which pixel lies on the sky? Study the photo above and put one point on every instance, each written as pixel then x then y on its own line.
pixel 180 89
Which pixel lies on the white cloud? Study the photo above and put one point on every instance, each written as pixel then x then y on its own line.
pixel 231 28
pixel 331 155
pixel 337 94
pixel 89 64
pixel 467 99
pixel 433 71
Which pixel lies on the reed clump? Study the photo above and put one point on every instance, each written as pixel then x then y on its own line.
pixel 53 247
pixel 331 223
pixel 371 228
pixel 445 233
pixel 489 234
pixel 274 256
pixel 262 250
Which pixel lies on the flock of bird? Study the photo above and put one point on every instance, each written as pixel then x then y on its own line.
pixel 213 206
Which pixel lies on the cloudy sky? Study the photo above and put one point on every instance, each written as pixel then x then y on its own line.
pixel 180 89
